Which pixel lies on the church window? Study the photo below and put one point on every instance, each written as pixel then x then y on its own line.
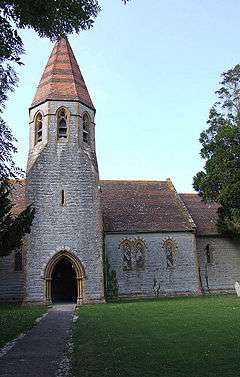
pixel 62 125
pixel 86 128
pixel 208 254
pixel 139 254
pixel 133 254
pixel 38 128
pixel 169 247
pixel 18 261
pixel 127 255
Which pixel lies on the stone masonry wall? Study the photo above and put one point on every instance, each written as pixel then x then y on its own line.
pixel 11 282
pixel 182 280
pixel 224 270
pixel 76 226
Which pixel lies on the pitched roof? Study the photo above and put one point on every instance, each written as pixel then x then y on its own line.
pixel 62 78
pixel 204 215
pixel 143 206
pixel 19 196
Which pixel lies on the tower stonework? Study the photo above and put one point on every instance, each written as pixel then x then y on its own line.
pixel 63 183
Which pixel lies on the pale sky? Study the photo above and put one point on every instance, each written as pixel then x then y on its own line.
pixel 152 71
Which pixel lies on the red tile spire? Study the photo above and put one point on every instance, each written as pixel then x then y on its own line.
pixel 62 78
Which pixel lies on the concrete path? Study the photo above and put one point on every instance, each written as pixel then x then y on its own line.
pixel 40 352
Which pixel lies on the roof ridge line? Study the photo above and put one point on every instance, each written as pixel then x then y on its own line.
pixel 188 193
pixel 131 180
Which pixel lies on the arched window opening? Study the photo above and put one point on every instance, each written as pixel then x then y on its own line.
pixel 133 254
pixel 208 254
pixel 62 124
pixel 38 128
pixel 170 251
pixel 139 254
pixel 86 128
pixel 127 255
pixel 18 265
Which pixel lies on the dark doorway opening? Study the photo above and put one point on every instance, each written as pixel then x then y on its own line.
pixel 64 283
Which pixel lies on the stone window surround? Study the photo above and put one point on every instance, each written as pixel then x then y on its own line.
pixel 170 242
pixel 63 140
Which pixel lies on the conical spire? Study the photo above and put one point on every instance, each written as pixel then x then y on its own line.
pixel 62 78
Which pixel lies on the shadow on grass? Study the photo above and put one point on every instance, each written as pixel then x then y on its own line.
pixel 16 319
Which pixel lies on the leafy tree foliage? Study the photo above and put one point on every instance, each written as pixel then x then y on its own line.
pixel 49 18
pixel 12 227
pixel 220 179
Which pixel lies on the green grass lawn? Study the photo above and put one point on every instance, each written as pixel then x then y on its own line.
pixel 187 337
pixel 17 319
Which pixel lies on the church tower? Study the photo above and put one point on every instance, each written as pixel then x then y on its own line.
pixel 64 259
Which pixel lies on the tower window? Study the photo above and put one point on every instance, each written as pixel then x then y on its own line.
pixel 63 198
pixel 86 128
pixel 18 261
pixel 62 125
pixel 38 128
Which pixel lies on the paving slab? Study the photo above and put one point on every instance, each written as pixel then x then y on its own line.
pixel 40 352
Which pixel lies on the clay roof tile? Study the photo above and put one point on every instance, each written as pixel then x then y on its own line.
pixel 62 78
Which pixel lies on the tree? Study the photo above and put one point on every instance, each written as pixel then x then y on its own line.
pixel 49 18
pixel 220 180
pixel 12 227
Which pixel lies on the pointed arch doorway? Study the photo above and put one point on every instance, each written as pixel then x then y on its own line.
pixel 64 276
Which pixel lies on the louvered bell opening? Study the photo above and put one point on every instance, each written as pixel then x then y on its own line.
pixel 62 130
pixel 39 132
pixel 85 137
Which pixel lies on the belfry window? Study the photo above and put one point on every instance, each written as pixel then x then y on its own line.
pixel 18 261
pixel 86 128
pixel 62 125
pixel 38 128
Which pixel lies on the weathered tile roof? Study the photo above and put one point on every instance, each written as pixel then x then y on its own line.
pixel 62 78
pixel 204 215
pixel 143 206
pixel 19 196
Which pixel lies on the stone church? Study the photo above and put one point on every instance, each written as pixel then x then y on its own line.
pixel 137 238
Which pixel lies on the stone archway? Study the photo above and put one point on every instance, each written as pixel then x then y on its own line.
pixel 79 274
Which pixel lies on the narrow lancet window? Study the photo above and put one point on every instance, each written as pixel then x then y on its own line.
pixel 127 255
pixel 139 254
pixel 18 261
pixel 38 128
pixel 62 125
pixel 63 198
pixel 170 247
pixel 86 128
